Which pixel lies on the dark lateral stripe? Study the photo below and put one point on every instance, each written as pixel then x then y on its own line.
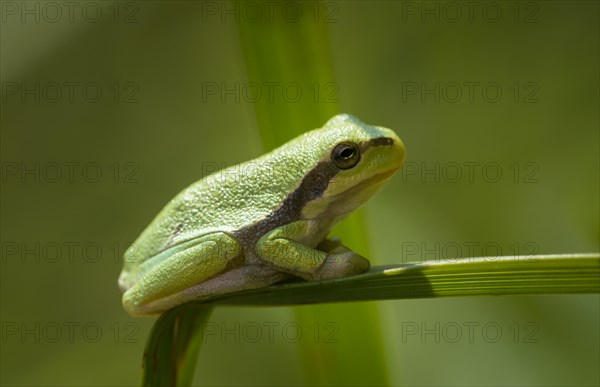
pixel 312 186
pixel 379 141
pixel 316 181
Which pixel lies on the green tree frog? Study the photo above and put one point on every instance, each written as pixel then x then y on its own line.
pixel 262 221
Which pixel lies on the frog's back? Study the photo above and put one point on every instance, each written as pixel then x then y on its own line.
pixel 228 200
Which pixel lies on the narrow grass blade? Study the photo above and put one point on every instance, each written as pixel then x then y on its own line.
pixel 172 348
pixel 543 274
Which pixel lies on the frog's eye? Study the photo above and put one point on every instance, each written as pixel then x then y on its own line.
pixel 345 155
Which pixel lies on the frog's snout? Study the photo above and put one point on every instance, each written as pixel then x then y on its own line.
pixel 392 146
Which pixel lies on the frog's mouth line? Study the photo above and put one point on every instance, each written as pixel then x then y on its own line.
pixel 369 182
pixel 356 195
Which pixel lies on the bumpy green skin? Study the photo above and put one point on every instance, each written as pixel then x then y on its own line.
pixel 256 223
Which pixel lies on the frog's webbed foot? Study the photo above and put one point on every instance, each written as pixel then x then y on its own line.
pixel 330 259
pixel 340 262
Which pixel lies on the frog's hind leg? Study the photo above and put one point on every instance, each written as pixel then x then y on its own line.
pixel 194 262
pixel 240 278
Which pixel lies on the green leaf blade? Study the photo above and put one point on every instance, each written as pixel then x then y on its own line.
pixel 173 346
pixel 549 274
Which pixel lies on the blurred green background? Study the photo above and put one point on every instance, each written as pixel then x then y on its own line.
pixel 111 108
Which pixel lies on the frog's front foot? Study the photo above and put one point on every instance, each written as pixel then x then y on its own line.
pixel 340 262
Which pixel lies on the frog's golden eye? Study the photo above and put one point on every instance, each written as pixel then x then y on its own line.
pixel 345 155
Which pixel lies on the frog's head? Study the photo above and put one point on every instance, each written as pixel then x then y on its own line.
pixel 354 161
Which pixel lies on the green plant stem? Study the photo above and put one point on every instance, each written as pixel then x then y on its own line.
pixel 173 346
pixel 295 59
